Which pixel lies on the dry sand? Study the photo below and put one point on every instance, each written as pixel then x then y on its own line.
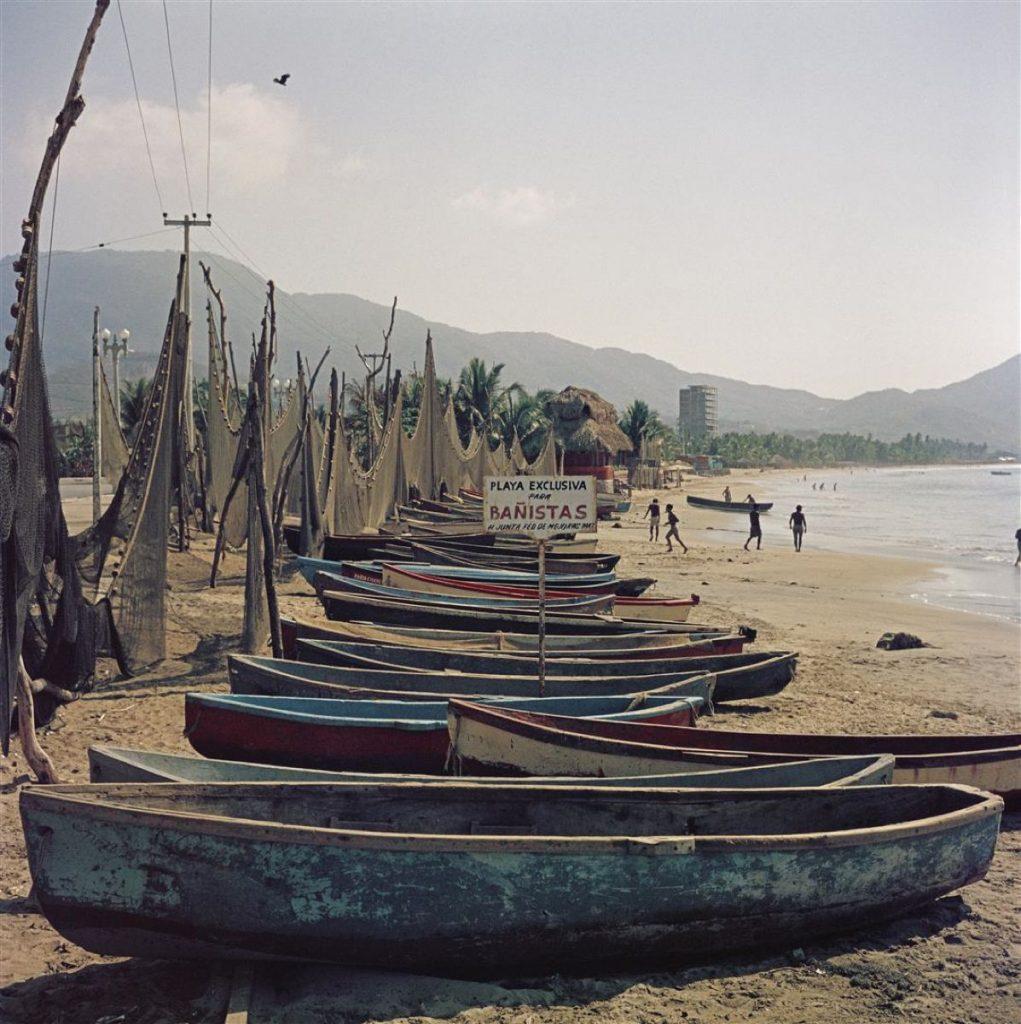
pixel 958 960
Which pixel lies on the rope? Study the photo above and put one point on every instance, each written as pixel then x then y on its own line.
pixel 49 250
pixel 209 108
pixel 177 106
pixel 138 103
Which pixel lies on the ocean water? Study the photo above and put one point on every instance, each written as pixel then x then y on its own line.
pixel 961 517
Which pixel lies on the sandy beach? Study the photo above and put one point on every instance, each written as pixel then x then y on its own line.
pixel 958 960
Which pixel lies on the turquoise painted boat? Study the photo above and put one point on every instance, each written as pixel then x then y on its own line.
pixel 490 880
pixel 127 764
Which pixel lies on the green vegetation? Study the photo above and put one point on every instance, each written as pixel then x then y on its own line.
pixel 831 449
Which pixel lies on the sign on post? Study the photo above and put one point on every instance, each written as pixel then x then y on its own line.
pixel 538 505
pixel 541 507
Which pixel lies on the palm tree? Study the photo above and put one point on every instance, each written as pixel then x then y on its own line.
pixel 642 424
pixel 479 398
pixel 525 417
pixel 134 395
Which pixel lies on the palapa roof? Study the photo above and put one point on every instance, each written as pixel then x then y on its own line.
pixel 585 422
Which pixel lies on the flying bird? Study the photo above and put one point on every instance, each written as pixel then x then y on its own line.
pixel 282 80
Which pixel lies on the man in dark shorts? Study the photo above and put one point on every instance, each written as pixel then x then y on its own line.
pixel 755 531
pixel 1017 537
pixel 672 523
pixel 799 526
pixel 653 513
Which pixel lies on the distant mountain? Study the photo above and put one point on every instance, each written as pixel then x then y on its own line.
pixel 134 290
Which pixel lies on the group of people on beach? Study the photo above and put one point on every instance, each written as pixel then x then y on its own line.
pixel 797 522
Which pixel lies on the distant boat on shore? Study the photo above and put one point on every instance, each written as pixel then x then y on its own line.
pixel 741 507
pixel 1001 472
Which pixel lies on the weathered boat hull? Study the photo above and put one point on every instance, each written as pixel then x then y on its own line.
pixel 258 675
pixel 704 656
pixel 652 644
pixel 989 762
pixel 356 735
pixel 519 878
pixel 124 764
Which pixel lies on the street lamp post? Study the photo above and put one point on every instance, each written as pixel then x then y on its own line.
pixel 119 347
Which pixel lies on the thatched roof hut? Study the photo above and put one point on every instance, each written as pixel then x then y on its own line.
pixel 585 423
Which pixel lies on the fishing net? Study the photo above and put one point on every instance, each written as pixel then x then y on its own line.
pixel 222 433
pixel 114 447
pixel 130 539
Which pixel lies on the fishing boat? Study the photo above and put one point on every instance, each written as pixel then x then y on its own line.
pixel 605 876
pixel 375 571
pixel 251 673
pixel 667 609
pixel 741 507
pixel 479 557
pixel 991 762
pixel 652 644
pixel 360 735
pixel 331 583
pixel 712 654
pixel 126 764
pixel 457 615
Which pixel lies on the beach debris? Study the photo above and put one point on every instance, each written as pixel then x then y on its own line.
pixel 952 715
pixel 900 642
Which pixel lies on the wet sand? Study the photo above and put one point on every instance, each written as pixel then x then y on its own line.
pixel 957 960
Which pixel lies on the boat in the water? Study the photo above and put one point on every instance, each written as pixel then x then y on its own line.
pixel 462 879
pixel 125 764
pixel 991 762
pixel 741 507
pixel 250 673
pixel 369 735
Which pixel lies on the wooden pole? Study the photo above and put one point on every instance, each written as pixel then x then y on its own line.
pixel 542 618
pixel 97 422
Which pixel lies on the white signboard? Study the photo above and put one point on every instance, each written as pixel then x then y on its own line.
pixel 538 505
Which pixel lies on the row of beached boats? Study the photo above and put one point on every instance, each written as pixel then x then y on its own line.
pixel 395 792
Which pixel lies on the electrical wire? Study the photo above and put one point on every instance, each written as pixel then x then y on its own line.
pixel 177 105
pixel 141 116
pixel 49 251
pixel 310 321
pixel 209 108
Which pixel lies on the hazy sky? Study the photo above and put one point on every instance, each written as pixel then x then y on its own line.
pixel 812 195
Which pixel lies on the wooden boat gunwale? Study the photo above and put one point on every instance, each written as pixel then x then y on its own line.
pixel 71 799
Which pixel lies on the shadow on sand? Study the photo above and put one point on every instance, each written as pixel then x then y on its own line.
pixel 168 992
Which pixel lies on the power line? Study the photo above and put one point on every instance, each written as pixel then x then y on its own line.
pixel 177 106
pixel 117 241
pixel 49 251
pixel 311 321
pixel 209 108
pixel 138 103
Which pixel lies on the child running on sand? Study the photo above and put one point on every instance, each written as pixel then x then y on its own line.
pixel 653 513
pixel 672 523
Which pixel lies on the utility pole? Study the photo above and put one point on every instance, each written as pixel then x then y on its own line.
pixel 188 222
pixel 97 421
pixel 119 347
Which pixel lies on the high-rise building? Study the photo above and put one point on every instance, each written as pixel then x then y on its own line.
pixel 698 418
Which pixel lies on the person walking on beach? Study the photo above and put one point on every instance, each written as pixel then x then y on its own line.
pixel 798 525
pixel 653 513
pixel 672 523
pixel 726 494
pixel 755 530
pixel 1017 537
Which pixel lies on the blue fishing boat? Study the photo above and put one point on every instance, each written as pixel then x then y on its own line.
pixel 125 764
pixel 489 880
